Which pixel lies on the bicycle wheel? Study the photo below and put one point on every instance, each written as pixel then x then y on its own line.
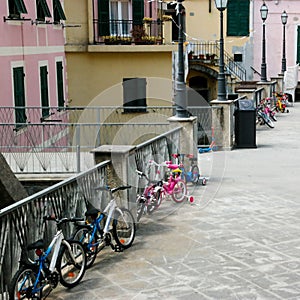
pixel 269 122
pixel 124 228
pixel 84 236
pixel 140 207
pixel 22 285
pixel 195 174
pixel 179 191
pixel 71 266
pixel 156 199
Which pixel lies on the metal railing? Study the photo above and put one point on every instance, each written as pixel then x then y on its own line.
pixel 209 50
pixel 126 32
pixel 62 143
pixel 22 222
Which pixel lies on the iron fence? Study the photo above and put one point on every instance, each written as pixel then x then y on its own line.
pixel 22 223
pixel 62 142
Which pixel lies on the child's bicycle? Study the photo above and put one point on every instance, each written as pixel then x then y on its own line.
pixel 192 175
pixel 151 197
pixel 102 227
pixel 67 265
pixel 173 185
pixel 281 102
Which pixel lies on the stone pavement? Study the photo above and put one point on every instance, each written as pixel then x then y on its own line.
pixel 239 240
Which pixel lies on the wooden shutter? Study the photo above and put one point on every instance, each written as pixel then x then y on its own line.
pixel 58 12
pixel 19 94
pixel 103 17
pixel 238 17
pixel 60 84
pixel 137 12
pixel 298 45
pixel 134 94
pixel 44 91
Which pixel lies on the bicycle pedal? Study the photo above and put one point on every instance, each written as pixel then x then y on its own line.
pixel 118 248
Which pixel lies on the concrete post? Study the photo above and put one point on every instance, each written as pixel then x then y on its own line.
pixel 119 157
pixel 223 123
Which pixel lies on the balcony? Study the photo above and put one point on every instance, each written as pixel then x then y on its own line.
pixel 129 32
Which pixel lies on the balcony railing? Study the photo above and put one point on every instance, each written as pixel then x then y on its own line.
pixel 127 32
pixel 210 52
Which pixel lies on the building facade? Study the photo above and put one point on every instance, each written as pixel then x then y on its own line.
pixel 32 56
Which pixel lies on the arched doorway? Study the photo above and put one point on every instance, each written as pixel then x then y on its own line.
pixel 200 85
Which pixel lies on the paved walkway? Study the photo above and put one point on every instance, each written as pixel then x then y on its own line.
pixel 240 240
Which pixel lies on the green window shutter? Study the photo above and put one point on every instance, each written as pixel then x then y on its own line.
pixel 19 94
pixel 44 91
pixel 103 17
pixel 58 12
pixel 137 12
pixel 298 45
pixel 21 8
pixel 134 94
pixel 238 17
pixel 42 9
pixel 60 84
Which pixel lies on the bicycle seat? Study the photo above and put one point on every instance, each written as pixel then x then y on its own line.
pixel 93 212
pixel 172 166
pixel 36 245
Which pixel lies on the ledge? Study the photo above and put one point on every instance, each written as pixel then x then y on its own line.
pixel 131 48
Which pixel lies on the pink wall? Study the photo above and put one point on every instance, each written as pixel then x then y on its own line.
pixel 274 35
pixel 25 44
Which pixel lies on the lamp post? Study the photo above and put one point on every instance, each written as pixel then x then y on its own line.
pixel 221 6
pixel 263 73
pixel 284 18
pixel 180 93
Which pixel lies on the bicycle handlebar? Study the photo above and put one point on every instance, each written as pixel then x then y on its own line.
pixel 112 190
pixel 63 220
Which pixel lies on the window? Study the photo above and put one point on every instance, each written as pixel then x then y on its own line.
pixel 42 10
pixel 44 91
pixel 58 12
pixel 60 84
pixel 134 94
pixel 119 16
pixel 114 16
pixel 238 57
pixel 19 96
pixel 16 8
pixel 238 18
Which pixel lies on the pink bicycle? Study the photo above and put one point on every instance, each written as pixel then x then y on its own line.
pixel 174 185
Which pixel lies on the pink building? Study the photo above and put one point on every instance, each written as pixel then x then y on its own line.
pixel 274 35
pixel 32 57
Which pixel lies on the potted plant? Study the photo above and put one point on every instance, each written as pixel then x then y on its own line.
pixel 138 32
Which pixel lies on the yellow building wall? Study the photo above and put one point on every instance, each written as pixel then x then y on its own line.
pixel 95 78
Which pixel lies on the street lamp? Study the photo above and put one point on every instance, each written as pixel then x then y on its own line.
pixel 221 5
pixel 264 14
pixel 284 18
pixel 180 95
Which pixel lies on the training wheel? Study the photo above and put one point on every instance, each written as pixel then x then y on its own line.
pixel 204 181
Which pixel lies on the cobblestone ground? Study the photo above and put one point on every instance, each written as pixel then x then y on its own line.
pixel 239 240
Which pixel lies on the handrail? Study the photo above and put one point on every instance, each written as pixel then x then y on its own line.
pixel 212 47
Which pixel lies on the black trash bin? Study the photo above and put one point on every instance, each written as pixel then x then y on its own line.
pixel 245 124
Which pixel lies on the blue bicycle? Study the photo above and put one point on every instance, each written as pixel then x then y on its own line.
pixel 67 265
